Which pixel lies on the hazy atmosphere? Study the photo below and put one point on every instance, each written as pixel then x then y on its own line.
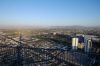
pixel 49 12
pixel 49 32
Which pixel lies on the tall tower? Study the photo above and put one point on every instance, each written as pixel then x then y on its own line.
pixel 74 43
pixel 87 43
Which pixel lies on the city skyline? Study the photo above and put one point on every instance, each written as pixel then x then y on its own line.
pixel 49 12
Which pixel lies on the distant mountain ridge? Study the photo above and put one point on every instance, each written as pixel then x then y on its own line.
pixel 51 27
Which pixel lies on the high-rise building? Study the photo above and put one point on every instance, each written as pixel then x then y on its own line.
pixel 74 43
pixel 88 45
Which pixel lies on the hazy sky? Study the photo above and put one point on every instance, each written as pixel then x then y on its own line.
pixel 50 12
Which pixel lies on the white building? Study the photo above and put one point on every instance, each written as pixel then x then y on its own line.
pixel 74 43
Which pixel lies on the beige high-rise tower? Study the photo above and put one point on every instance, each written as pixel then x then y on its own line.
pixel 74 43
